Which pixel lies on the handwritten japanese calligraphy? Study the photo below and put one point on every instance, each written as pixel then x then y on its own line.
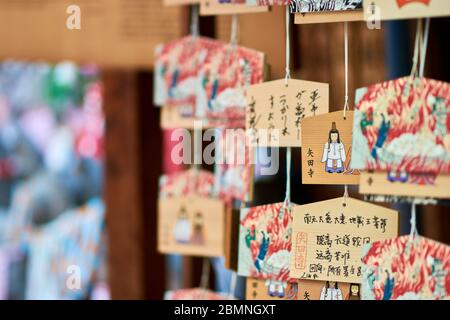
pixel 275 111
pixel 326 149
pixel 328 238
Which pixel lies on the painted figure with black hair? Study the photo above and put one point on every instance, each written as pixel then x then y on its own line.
pixel 354 293
pixel 182 230
pixel 198 234
pixel 334 152
pixel 331 291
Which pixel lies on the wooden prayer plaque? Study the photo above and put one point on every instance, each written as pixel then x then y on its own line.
pixel 265 241
pixel 191 225
pixel 326 149
pixel 328 237
pixel 401 126
pixel 379 184
pixel 179 2
pixel 326 290
pixel 231 234
pixel 327 17
pixel 260 289
pixel 170 118
pixel 275 111
pixel 311 6
pixel 406 9
pixel 214 7
pixel 406 268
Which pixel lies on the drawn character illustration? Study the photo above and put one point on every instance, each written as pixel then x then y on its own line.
pixel 264 247
pixel 382 135
pixel 331 291
pixel 388 287
pixel 334 152
pixel 198 236
pixel 440 115
pixel 183 228
pixel 367 120
pixel 292 291
pixel 442 118
pixel 439 273
pixel 250 236
pixel 265 242
pixel 276 288
pixel 400 176
pixel 174 83
pixel 401 269
pixel 354 293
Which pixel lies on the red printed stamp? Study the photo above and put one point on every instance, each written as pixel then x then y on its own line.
pixel 300 250
pixel 402 3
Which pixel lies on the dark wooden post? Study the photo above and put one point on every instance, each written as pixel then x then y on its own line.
pixel 122 192
pixel 132 165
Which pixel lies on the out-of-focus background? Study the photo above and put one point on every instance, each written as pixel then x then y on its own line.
pixel 51 180
pixel 81 148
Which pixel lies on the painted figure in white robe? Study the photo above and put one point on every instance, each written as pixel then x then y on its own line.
pixel 331 291
pixel 334 152
pixel 183 227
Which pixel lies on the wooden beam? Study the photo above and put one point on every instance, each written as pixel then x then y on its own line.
pixel 122 192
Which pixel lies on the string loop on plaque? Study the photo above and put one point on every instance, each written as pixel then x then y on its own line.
pixel 287 199
pixel 345 196
pixel 233 35
pixel 413 233
pixel 423 52
pixel 194 27
pixel 234 30
pixel 346 106
pixel 288 49
pixel 420 48
pixel 417 43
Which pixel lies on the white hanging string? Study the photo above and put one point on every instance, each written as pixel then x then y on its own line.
pixel 234 30
pixel 423 52
pixel 205 274
pixel 413 233
pixel 416 49
pixel 345 196
pixel 233 282
pixel 420 50
pixel 287 198
pixel 194 28
pixel 346 106
pixel 288 49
